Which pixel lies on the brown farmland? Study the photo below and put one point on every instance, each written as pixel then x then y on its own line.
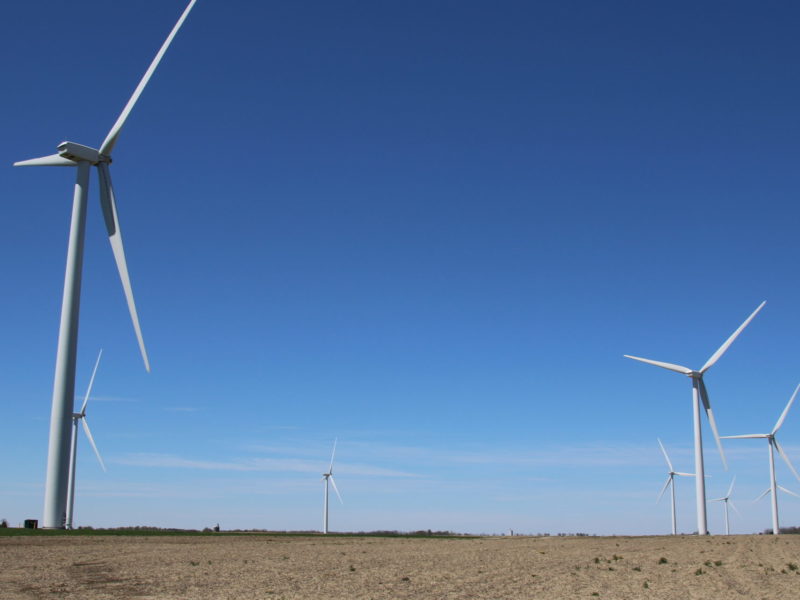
pixel 263 566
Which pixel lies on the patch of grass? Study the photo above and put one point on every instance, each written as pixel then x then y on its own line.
pixel 637 568
pixel 595 594
pixel 405 579
pixel 194 563
pixel 717 563
pixel 596 560
pixel 792 566
pixel 616 557
pixel 662 561
pixel 352 569
pixel 699 571
pixel 645 585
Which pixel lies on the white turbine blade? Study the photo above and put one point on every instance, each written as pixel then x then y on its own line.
pixel 663 365
pixel 685 474
pixel 663 489
pixel 664 452
pixel 749 436
pixel 335 489
pixel 91 441
pixel 764 493
pixel 113 134
pixel 330 469
pixel 711 421
pixel 716 499
pixel 733 506
pixel 786 459
pixel 790 492
pixel 91 382
pixel 109 206
pixel 730 489
pixel 722 349
pixel 785 411
pixel 54 160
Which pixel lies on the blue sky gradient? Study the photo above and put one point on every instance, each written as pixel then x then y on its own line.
pixel 431 229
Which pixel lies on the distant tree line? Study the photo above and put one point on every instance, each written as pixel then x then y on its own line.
pixel 783 530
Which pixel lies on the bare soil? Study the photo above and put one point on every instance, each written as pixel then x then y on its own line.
pixel 272 567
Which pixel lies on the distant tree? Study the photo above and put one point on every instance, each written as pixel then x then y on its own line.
pixel 3 524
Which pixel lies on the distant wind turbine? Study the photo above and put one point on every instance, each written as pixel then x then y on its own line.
pixel 726 499
pixel 80 416
pixel 83 158
pixel 699 393
pixel 773 444
pixel 326 477
pixel 671 483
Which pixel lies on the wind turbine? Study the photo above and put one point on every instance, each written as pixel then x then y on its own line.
pixel 329 477
pixel 83 157
pixel 699 393
pixel 671 483
pixel 773 444
pixel 76 417
pixel 727 499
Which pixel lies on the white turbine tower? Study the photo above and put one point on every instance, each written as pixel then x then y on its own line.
pixel 774 445
pixel 726 499
pixel 82 158
pixel 326 477
pixel 699 394
pixel 76 417
pixel 671 483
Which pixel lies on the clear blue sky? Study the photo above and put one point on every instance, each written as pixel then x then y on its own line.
pixel 431 229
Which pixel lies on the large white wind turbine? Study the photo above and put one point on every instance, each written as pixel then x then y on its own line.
pixel 773 444
pixel 699 394
pixel 726 499
pixel 76 417
pixel 326 477
pixel 671 483
pixel 82 158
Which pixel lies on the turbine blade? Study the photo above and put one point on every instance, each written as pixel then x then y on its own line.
pixel 786 458
pixel 115 237
pixel 113 134
pixel 748 436
pixel 790 492
pixel 663 365
pixel 711 421
pixel 764 493
pixel 722 349
pixel 54 160
pixel 664 452
pixel 330 469
pixel 685 474
pixel 785 411
pixel 733 506
pixel 335 489
pixel 663 489
pixel 91 382
pixel 91 441
pixel 730 489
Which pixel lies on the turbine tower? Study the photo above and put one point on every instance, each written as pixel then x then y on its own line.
pixel 326 477
pixel 699 393
pixel 727 499
pixel 774 445
pixel 671 483
pixel 76 417
pixel 82 158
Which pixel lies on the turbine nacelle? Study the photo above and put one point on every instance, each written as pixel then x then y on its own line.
pixel 79 152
